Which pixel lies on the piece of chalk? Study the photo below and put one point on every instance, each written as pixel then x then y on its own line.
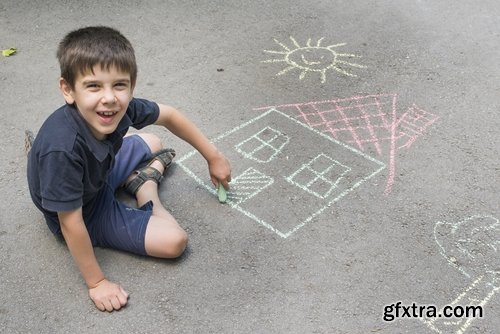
pixel 221 192
pixel 9 52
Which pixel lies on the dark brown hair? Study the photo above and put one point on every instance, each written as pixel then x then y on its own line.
pixel 82 49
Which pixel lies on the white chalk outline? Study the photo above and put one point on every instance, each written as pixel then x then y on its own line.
pixel 312 216
pixel 239 193
pixel 264 143
pixel 319 176
pixel 470 296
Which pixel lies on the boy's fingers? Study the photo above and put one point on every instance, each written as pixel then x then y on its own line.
pixel 123 297
pixel 100 307
pixel 116 303
pixel 108 306
pixel 125 293
pixel 224 183
pixel 215 182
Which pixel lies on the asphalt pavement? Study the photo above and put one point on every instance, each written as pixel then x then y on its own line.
pixel 363 137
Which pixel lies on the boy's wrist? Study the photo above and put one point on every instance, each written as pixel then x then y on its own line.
pixel 212 154
pixel 95 284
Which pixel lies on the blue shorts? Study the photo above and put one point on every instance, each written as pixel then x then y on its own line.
pixel 113 224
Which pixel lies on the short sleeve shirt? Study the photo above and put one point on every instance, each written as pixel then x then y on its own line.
pixel 67 165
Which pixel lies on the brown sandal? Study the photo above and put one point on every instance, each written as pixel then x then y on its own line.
pixel 145 172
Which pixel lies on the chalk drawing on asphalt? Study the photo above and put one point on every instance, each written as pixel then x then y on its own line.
pixel 370 123
pixel 473 247
pixel 247 185
pixel 320 176
pixel 264 145
pixel 298 178
pixel 313 58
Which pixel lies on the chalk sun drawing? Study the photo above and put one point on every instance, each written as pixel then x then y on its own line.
pixel 472 246
pixel 313 58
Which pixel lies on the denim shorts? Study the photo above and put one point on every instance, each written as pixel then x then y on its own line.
pixel 113 224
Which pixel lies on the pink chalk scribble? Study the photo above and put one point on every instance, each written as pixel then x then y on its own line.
pixel 368 123
pixel 412 125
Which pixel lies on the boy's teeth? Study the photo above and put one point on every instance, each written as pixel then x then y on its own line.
pixel 107 113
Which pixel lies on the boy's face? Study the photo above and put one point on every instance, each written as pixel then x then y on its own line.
pixel 101 98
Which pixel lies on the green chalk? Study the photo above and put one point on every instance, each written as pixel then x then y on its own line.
pixel 222 193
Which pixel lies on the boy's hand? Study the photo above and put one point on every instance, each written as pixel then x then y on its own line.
pixel 220 170
pixel 108 296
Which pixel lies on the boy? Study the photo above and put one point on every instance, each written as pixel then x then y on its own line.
pixel 81 156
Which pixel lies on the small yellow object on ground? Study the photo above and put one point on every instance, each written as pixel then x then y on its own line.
pixel 9 52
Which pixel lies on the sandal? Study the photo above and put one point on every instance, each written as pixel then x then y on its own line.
pixel 145 172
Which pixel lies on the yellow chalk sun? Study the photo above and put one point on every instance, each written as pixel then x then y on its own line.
pixel 313 58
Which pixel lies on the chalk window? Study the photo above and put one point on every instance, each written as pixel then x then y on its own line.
pixel 263 146
pixel 320 176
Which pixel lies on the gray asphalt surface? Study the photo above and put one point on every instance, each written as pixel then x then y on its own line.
pixel 393 199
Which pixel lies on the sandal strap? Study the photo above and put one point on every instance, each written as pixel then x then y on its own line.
pixel 142 175
pixel 145 172
pixel 165 156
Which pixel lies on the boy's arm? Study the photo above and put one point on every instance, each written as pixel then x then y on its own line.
pixel 178 124
pixel 106 295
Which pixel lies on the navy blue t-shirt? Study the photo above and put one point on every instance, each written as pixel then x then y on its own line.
pixel 67 165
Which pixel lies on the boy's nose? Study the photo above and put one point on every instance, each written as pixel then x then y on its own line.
pixel 109 97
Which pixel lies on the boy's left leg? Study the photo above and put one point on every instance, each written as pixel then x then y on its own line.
pixel 149 229
pixel 164 237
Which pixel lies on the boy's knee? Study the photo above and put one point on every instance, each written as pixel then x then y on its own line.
pixel 178 243
pixel 153 141
pixel 165 241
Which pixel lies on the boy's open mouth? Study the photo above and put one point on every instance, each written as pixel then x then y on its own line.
pixel 107 115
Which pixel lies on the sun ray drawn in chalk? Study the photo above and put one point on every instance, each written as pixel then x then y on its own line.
pixel 313 57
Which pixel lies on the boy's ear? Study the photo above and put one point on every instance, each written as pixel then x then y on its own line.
pixel 66 90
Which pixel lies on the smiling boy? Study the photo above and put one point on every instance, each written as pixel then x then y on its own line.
pixel 81 156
